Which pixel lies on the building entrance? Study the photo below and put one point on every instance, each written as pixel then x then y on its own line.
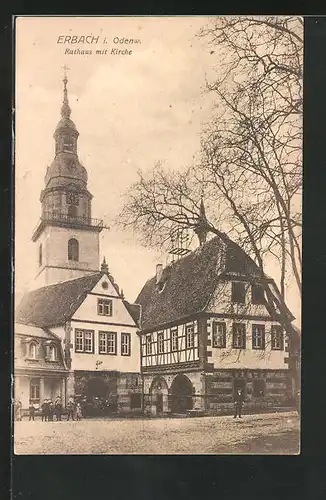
pixel 181 394
pixel 97 399
pixel 159 395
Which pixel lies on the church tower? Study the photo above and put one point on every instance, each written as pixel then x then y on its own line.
pixel 66 236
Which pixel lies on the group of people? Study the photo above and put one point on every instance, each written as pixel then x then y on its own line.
pixel 74 410
pixel 50 409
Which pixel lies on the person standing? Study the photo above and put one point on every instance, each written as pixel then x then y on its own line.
pixel 58 409
pixel 71 410
pixel 51 411
pixel 31 412
pixel 18 410
pixel 45 410
pixel 238 402
pixel 78 411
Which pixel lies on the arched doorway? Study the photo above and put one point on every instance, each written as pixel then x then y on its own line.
pixel 159 394
pixel 181 394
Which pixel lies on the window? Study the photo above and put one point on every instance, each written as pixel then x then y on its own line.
pixel 238 292
pixel 258 388
pixel 103 344
pixel 258 336
pixel 135 401
pixel 104 307
pixel 148 344
pixel 219 334
pixel 277 339
pixel 239 336
pixel 34 389
pixel 79 341
pixel 84 341
pixel 174 340
pixel 160 342
pixel 190 336
pixel 73 249
pixel 107 343
pixel 125 344
pixel 72 211
pixel 257 294
pixel 40 256
pixel 52 353
pixel 112 343
pixel 68 144
pixel 72 198
pixel 32 350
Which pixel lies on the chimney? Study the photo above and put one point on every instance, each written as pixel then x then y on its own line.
pixel 159 272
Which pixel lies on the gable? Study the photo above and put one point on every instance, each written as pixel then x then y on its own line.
pixel 105 287
pixel 88 310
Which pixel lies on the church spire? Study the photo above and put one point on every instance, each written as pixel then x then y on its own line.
pixel 65 134
pixel 202 223
pixel 104 267
pixel 65 108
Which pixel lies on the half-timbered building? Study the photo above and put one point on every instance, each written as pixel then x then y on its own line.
pixel 206 331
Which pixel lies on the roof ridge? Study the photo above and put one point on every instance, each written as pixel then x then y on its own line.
pixel 191 253
pixel 63 282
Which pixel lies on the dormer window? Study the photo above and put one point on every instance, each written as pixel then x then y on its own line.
pixel 52 353
pixel 160 286
pixel 32 350
pixel 238 292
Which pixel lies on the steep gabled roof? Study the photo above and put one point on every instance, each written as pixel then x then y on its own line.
pixel 187 285
pixel 55 304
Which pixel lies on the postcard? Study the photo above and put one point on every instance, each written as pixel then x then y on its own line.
pixel 158 219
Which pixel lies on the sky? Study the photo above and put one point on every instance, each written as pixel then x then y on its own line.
pixel 130 110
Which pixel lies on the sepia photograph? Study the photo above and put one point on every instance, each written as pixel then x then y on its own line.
pixel 158 225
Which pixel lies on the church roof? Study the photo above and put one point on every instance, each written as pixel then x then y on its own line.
pixel 54 304
pixel 188 284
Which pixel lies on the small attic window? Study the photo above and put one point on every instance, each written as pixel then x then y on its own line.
pixel 105 285
pixel 160 286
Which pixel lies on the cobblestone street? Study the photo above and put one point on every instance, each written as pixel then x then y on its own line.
pixel 271 433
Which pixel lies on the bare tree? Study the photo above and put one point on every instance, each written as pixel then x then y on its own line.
pixel 257 130
pixel 249 173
